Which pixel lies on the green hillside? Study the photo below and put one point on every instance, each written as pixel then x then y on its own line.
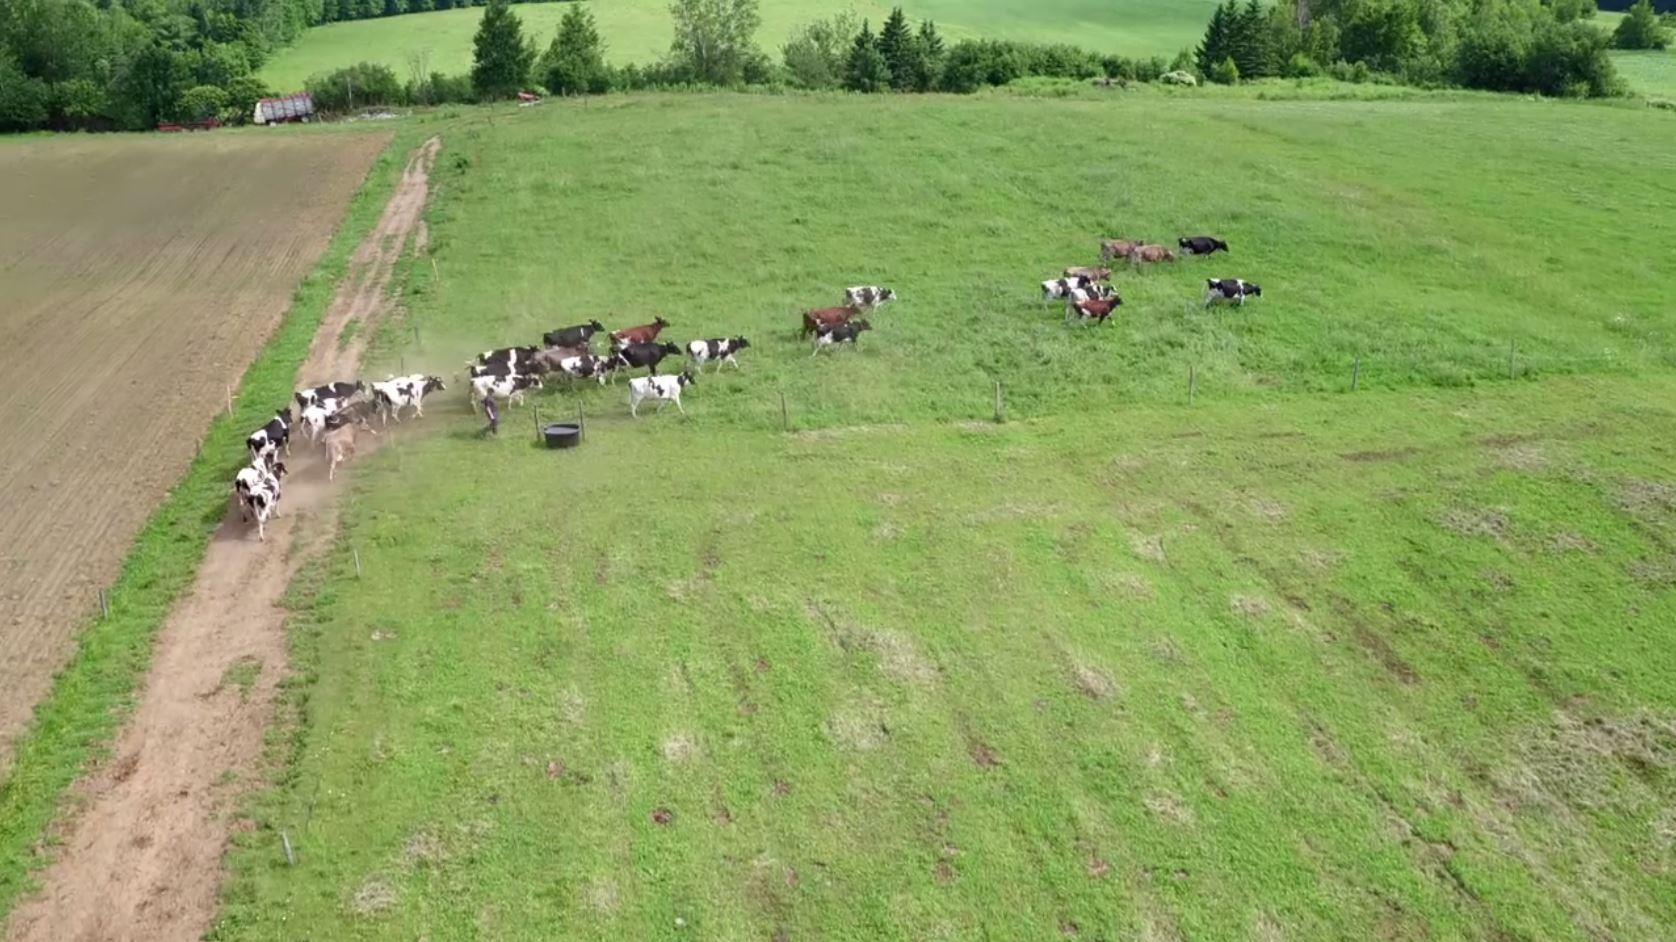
pixel 639 30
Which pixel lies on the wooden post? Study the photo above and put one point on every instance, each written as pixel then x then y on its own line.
pixel 354 551
pixel 998 403
pixel 434 273
pixel 1192 382
pixel 104 605
pixel 1510 350
pixel 229 400
pixel 535 414
pixel 1356 373
pixel 785 416
pixel 580 422
pixel 290 858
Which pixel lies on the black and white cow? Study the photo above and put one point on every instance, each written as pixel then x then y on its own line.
pixel 314 416
pixel 319 394
pixel 1230 291
pixel 399 392
pixel 256 487
pixel 840 333
pixel 516 356
pixel 664 389
pixel 579 336
pixel 1201 245
pixel 510 388
pixel 1058 289
pixel 266 441
pixel 1090 293
pixel 586 366
pixel 649 355
pixel 721 350
pixel 866 298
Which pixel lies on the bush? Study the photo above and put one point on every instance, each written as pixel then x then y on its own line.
pixel 816 54
pixel 715 39
pixel 201 103
pixel 1302 66
pixel 1641 29
pixel 362 85
pixel 575 63
pixel 23 100
pixel 1224 72
pixel 242 95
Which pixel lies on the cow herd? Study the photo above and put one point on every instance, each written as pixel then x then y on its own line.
pixel 1089 296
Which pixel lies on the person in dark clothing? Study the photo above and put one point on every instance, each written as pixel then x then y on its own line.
pixel 493 412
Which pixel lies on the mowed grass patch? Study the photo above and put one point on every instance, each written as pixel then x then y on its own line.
pixel 1390 664
pixel 1649 72
pixel 639 31
pixel 1424 238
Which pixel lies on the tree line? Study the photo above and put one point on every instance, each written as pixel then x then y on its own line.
pixel 1543 46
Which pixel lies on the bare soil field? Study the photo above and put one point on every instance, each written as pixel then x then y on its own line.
pixel 142 858
pixel 141 275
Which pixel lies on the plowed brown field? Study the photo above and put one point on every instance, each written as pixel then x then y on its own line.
pixel 140 276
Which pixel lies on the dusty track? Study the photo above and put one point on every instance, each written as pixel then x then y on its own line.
pixel 143 859
pixel 140 276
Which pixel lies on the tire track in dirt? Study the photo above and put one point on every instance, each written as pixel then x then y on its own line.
pixel 143 859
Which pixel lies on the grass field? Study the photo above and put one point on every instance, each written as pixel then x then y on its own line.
pixel 640 30
pixel 1287 664
pixel 1648 72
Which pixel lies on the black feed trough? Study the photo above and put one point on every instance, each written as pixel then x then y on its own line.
pixel 562 435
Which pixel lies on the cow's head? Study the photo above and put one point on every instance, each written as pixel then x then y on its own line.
pixel 284 415
pixel 670 349
pixel 861 325
pixel 659 323
pixel 740 343
pixel 685 379
pixel 434 384
pixel 279 469
pixel 1253 289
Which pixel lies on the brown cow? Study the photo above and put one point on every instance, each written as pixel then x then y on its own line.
pixel 818 318
pixel 1117 248
pixel 1097 274
pixel 1150 253
pixel 1096 309
pixel 645 333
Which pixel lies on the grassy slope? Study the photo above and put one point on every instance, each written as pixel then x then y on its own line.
pixel 639 30
pixel 1648 72
pixel 1275 667
pixel 89 696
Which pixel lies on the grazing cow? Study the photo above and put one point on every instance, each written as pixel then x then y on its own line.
pixel 1230 291
pixel 1150 253
pixel 579 336
pixel 1096 310
pixel 865 298
pixel 649 355
pixel 1117 248
pixel 397 393
pixel 510 387
pixel 664 389
pixel 1090 293
pixel 586 366
pixel 645 333
pixel 266 441
pixel 720 350
pixel 1058 288
pixel 256 488
pixel 841 333
pixel 1201 245
pixel 1100 273
pixel 823 317
pixel 319 394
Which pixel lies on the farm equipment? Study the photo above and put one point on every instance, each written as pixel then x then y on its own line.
pixel 284 109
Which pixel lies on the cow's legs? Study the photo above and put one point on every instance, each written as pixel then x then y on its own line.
pixel 679 406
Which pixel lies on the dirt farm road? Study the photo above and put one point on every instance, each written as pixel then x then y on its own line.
pixel 142 859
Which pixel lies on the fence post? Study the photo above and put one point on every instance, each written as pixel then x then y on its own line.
pixel 535 414
pixel 581 424
pixel 785 415
pixel 356 552
pixel 1356 373
pixel 104 605
pixel 229 400
pixel 290 858
pixel 999 405
pixel 1510 351
pixel 1192 382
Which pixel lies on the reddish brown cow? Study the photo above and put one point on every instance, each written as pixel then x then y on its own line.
pixel 1150 253
pixel 1117 248
pixel 645 333
pixel 1096 310
pixel 814 320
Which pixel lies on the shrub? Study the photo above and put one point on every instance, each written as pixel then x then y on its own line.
pixel 715 39
pixel 362 85
pixel 23 100
pixel 1640 29
pixel 202 102
pixel 816 54
pixel 1302 66
pixel 1225 72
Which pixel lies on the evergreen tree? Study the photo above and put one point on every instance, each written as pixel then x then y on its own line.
pixel 501 60
pixel 896 44
pixel 575 63
pixel 1217 44
pixel 1252 50
pixel 866 70
pixel 929 58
